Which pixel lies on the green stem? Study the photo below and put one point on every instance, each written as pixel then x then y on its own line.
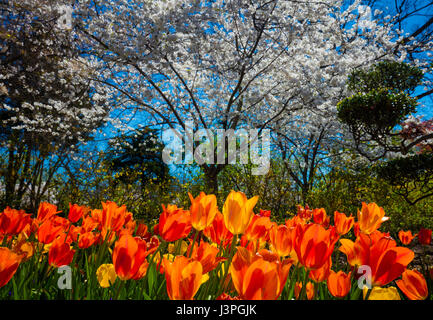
pixel 121 285
pixel 226 271
pixel 304 285
pixel 193 242
pixel 368 294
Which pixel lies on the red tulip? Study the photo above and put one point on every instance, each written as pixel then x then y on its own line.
pixel 60 253
pixel 142 232
pixel 424 236
pixel 304 213
pixel 265 213
pixel 129 257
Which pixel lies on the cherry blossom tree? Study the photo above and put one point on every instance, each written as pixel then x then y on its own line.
pixel 48 106
pixel 232 64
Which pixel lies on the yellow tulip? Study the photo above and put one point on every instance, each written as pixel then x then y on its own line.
pixel 238 212
pixel 183 247
pixel 370 217
pixel 106 275
pixel 378 293
pixel 203 210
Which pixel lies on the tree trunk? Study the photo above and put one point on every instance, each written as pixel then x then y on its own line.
pixel 211 176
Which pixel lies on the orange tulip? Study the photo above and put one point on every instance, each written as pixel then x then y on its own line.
pixel 23 248
pixel 310 290
pixel 314 244
pixel 9 262
pixel 13 222
pixel 390 265
pixel 281 240
pixel 46 211
pixel 258 276
pixel 292 223
pixel 258 228
pixel 356 229
pixel 320 217
pixel 339 283
pixel 342 223
pixel 217 231
pixel 88 239
pixel 60 253
pixel 406 237
pixel 257 233
pixel 413 285
pixel 49 231
pixel 128 227
pixel 424 236
pixel 298 288
pixel 304 213
pixel 386 260
pixel 356 252
pixel 206 254
pixel 321 274
pixel 129 257
pixel 265 213
pixel 225 296
pixel 174 223
pixel 238 212
pixel 89 224
pixel 203 210
pixel 370 217
pixel 112 218
pixel 142 231
pixel 76 212
pixel 183 276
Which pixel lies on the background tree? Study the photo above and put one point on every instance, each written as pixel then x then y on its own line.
pixel 376 116
pixel 137 157
pixel 233 64
pixel 47 104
